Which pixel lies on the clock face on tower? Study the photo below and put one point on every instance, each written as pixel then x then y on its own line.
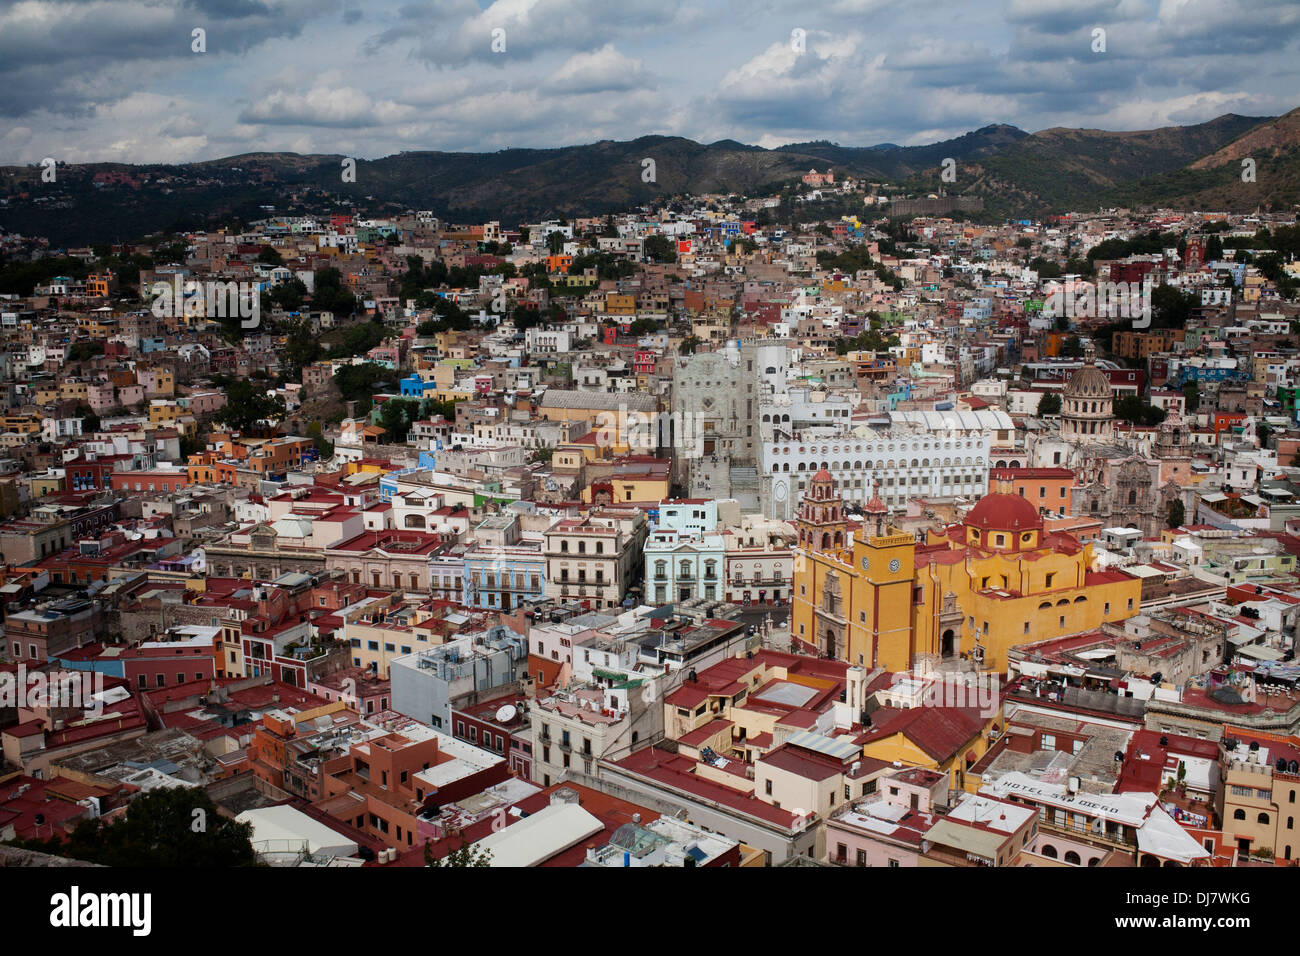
pixel 866 564
pixel 894 565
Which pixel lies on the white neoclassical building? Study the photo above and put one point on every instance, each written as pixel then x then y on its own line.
pixel 936 455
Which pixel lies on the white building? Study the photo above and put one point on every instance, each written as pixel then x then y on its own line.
pixel 938 455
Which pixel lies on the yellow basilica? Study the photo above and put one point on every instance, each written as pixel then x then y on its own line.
pixel 871 594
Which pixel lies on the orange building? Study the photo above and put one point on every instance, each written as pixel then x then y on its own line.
pixel 1044 488
pixel 383 783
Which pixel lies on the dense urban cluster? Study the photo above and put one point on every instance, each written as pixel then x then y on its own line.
pixel 694 535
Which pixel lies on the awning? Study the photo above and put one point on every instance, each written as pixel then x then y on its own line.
pixel 1260 652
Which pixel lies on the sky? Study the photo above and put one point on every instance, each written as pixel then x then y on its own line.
pixel 121 80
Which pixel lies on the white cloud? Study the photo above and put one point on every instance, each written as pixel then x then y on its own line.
pixel 603 70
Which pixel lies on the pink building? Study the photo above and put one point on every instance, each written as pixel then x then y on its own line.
pixel 887 828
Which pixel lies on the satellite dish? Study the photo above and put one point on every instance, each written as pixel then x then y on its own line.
pixel 506 714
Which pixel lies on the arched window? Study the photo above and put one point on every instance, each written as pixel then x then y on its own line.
pixel 1072 858
pixel 414 521
pixel 1262 818
pixel 564 547
pixel 1238 814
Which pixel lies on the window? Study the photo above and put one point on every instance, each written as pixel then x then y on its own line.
pixel 767 787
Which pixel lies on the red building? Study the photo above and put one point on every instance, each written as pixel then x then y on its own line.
pixel 1130 271
pixel 149 480
pixel 500 726
pixel 184 655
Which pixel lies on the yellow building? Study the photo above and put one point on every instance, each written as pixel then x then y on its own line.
pixel 619 303
pixel 21 424
pixel 161 410
pixel 74 391
pixel 872 595
pixel 635 488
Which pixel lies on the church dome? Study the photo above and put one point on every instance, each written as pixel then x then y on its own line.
pixel 1088 381
pixel 1004 512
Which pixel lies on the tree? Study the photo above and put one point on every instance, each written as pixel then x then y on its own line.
pixel 1132 409
pixel 324 447
pixel 289 295
pixel 301 348
pixel 1045 268
pixel 171 827
pixel 1072 347
pixel 1262 431
pixel 466 854
pixel 81 351
pixel 247 405
pixel 359 339
pixel 659 249
pixel 1171 308
pixel 1191 396
pixel 89 420
pixel 396 415
pixel 1049 404
pixel 356 382
pixel 1177 514
pixel 330 296
pixel 525 318
pixel 555 241
pixel 270 255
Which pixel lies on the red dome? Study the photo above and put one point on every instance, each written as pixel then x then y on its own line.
pixel 1002 512
pixel 822 475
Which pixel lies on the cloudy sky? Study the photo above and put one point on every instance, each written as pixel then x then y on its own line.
pixel 118 80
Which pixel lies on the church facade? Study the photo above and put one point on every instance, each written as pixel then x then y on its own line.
pixel 880 598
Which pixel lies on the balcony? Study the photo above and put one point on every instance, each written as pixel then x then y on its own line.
pixel 1123 838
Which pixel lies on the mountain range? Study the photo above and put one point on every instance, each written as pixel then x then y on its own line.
pixel 1016 174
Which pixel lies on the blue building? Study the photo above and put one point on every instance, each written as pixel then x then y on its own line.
pixel 415 387
pixel 501 578
pixel 502 569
